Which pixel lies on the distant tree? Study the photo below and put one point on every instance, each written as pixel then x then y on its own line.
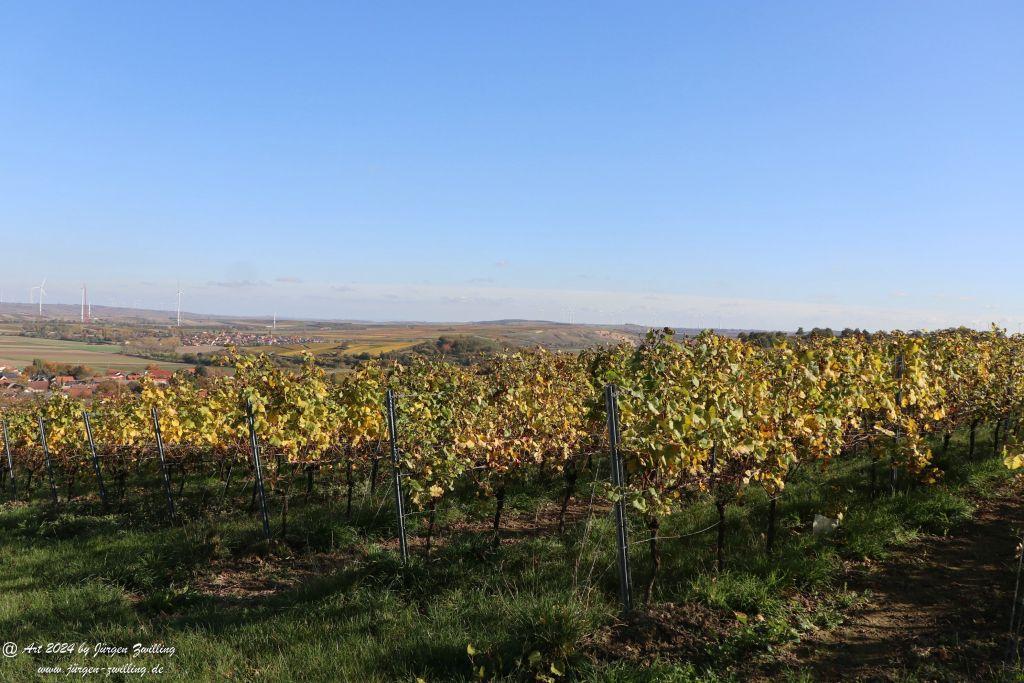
pixel 763 339
pixel 108 388
pixel 81 371
pixel 38 368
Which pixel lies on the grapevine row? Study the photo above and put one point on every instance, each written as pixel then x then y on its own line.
pixel 704 416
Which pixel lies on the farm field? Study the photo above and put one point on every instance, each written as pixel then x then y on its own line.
pixel 339 340
pixel 20 351
pixel 374 339
pixel 344 345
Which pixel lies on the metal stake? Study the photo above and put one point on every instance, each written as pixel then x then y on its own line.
pixel 95 459
pixel 396 475
pixel 227 483
pixel 163 461
pixel 46 456
pixel 10 460
pixel 894 472
pixel 618 480
pixel 254 444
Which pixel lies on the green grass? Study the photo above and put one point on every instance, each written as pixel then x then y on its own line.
pixel 332 602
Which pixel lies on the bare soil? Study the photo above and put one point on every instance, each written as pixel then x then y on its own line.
pixel 254 578
pixel 685 632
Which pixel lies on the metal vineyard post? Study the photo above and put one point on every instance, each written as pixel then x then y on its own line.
pixel 10 460
pixel 95 458
pixel 618 480
pixel 163 461
pixel 396 474
pixel 46 456
pixel 257 462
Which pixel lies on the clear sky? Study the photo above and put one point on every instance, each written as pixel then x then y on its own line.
pixel 741 164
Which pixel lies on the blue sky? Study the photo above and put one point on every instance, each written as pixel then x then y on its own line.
pixel 725 164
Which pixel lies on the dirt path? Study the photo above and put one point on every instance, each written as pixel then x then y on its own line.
pixel 940 607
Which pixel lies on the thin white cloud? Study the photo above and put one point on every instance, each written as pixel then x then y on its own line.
pixel 236 284
pixel 480 300
pixel 477 302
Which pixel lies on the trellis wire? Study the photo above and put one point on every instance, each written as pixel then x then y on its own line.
pixel 670 538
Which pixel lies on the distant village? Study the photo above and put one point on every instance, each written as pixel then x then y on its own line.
pixel 243 339
pixel 24 383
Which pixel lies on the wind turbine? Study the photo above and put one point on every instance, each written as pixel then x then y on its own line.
pixel 42 293
pixel 179 304
pixel 86 307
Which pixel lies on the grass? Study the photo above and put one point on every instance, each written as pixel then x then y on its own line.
pixel 331 601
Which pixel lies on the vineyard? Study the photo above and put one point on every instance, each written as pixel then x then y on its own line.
pixel 636 438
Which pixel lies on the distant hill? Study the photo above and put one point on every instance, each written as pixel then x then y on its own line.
pixel 510 331
pixel 17 312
